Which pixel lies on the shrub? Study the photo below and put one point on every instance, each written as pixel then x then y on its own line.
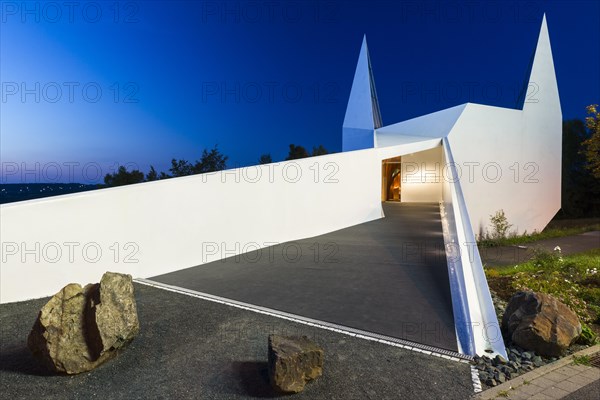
pixel 588 336
pixel 500 225
pixel 492 273
pixel 544 259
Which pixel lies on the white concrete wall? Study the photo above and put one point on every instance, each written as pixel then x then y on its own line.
pixel 421 179
pixel 158 227
pixel 460 304
pixel 477 328
pixel 508 161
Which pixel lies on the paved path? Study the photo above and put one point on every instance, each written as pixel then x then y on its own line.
pixel 560 380
pixel 511 255
pixel 190 348
pixel 387 276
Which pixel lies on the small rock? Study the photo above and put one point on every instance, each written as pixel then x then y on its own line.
pixel 491 382
pixel 505 369
pixel 293 361
pixel 499 360
pixel 537 361
pixel 491 370
pixel 499 377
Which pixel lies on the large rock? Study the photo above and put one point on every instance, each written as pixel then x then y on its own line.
pixel 80 328
pixel 539 322
pixel 112 312
pixel 57 338
pixel 293 361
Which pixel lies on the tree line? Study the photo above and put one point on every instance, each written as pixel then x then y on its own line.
pixel 210 161
pixel 581 166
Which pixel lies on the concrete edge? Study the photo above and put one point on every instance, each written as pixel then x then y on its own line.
pixel 536 373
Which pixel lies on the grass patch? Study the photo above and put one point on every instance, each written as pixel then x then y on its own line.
pixel 574 280
pixel 503 393
pixel 548 233
pixel 582 360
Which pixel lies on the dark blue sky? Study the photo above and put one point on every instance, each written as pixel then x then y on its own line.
pixel 138 83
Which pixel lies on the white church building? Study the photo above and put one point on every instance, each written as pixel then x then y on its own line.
pixel 472 159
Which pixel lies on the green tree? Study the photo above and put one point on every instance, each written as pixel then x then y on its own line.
pixel 124 177
pixel 580 194
pixel 210 161
pixel 297 152
pixel 574 175
pixel 319 151
pixel 181 168
pixel 152 175
pixel 591 146
pixel 265 159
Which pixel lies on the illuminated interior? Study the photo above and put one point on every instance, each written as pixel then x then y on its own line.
pixel 391 187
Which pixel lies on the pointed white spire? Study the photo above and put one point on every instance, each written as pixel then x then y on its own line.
pixel 362 114
pixel 542 90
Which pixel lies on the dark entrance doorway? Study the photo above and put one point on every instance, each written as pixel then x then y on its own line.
pixel 391 187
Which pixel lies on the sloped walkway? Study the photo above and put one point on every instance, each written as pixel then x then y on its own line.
pixel 387 276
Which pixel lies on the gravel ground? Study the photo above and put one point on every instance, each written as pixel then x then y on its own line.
pixel 190 348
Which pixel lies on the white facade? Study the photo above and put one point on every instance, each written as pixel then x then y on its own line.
pixel 507 159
